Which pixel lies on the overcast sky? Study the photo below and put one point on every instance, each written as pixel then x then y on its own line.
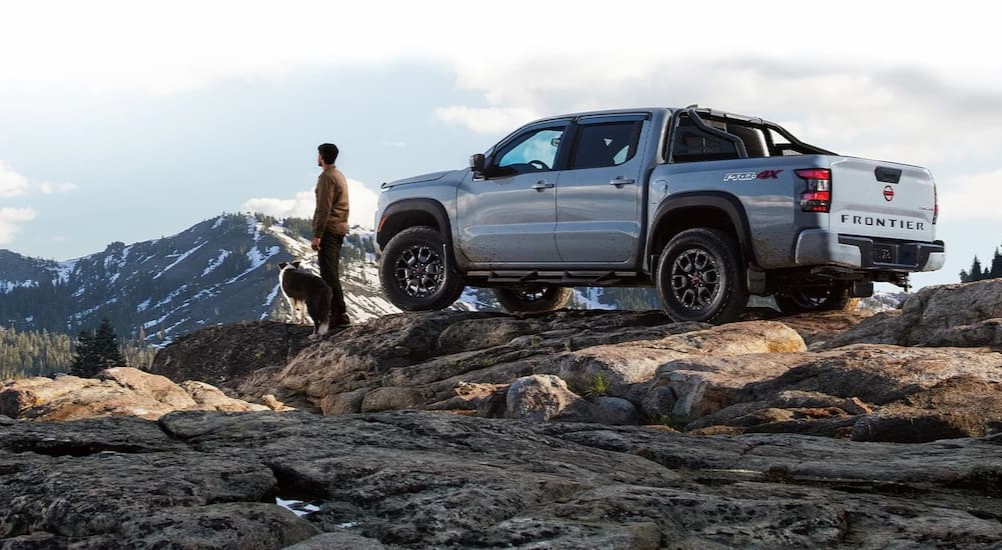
pixel 127 121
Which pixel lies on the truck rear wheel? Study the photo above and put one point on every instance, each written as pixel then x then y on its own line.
pixel 700 277
pixel 834 297
pixel 415 273
pixel 532 299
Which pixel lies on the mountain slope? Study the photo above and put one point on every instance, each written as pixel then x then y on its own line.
pixel 218 271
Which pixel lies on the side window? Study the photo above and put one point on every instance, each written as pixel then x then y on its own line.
pixel 608 144
pixel 533 151
pixel 693 144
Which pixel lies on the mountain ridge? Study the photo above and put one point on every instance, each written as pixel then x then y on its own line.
pixel 220 270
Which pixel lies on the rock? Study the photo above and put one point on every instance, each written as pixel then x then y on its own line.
pixel 224 355
pixel 958 406
pixel 425 479
pixel 270 401
pixel 158 388
pixel 6 420
pixel 540 398
pixel 392 398
pixel 115 392
pixel 326 541
pixel 344 402
pixel 735 378
pixel 622 365
pixel 869 393
pixel 436 353
pixel 936 315
pixel 615 411
pixel 210 398
pixel 690 387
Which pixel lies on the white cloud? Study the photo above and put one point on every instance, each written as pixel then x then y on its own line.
pixel 361 208
pixel 488 120
pixel 12 184
pixel 10 218
pixel 112 44
pixel 972 197
pixel 52 188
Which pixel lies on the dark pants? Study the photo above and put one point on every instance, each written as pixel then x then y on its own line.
pixel 330 260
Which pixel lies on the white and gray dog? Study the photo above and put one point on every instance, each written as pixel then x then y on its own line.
pixel 307 294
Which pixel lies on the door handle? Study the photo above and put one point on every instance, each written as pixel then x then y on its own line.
pixel 542 184
pixel 621 181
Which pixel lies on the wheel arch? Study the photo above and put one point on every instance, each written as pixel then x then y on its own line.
pixel 412 213
pixel 712 209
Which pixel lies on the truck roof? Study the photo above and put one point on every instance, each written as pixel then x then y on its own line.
pixel 704 111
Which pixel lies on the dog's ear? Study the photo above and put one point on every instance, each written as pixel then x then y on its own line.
pixel 296 263
pixel 282 265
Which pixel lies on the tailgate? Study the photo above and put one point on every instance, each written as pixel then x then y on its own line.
pixel 882 199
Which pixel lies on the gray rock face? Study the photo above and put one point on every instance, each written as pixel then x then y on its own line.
pixel 944 315
pixel 424 479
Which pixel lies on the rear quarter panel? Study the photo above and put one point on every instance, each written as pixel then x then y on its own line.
pixel 766 188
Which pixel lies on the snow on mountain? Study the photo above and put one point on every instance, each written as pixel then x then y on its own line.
pixel 221 270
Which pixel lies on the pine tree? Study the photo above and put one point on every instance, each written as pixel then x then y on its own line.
pixel 995 272
pixel 975 274
pixel 97 351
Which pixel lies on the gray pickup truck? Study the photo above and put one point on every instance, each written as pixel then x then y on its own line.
pixel 706 206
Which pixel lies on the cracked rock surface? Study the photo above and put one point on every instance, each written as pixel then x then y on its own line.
pixel 432 479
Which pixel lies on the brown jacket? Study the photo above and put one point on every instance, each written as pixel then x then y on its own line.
pixel 331 215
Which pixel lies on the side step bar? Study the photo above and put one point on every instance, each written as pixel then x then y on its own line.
pixel 568 278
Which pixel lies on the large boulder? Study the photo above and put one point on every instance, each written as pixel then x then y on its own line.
pixel 965 314
pixel 114 392
pixel 223 355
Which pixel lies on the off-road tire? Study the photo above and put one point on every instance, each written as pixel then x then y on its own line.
pixel 700 277
pixel 415 271
pixel 835 297
pixel 532 299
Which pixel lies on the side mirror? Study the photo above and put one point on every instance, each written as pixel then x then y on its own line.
pixel 478 163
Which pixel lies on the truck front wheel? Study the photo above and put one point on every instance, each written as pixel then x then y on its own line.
pixel 415 273
pixel 700 278
pixel 532 299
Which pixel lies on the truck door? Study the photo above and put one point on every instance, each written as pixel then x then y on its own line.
pixel 599 193
pixel 508 215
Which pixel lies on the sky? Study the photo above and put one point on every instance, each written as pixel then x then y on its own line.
pixel 128 121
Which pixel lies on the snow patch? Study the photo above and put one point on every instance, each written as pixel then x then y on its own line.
pixel 301 508
pixel 66 269
pixel 179 260
pixel 223 254
pixel 6 287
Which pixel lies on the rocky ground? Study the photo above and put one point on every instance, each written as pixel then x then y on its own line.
pixel 566 430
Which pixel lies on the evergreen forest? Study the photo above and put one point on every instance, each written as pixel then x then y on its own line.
pixel 979 273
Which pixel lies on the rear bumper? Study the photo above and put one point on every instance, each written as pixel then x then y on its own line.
pixel 820 247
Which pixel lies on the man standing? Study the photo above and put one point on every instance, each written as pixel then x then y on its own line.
pixel 330 224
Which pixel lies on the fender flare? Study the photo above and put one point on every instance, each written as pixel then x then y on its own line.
pixel 424 206
pixel 727 203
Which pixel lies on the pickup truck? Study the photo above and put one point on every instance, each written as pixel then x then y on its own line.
pixel 706 206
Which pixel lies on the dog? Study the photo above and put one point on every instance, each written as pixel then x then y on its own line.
pixel 306 294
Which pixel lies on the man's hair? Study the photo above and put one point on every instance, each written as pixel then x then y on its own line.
pixel 328 151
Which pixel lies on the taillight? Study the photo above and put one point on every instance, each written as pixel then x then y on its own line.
pixel 817 196
pixel 935 204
